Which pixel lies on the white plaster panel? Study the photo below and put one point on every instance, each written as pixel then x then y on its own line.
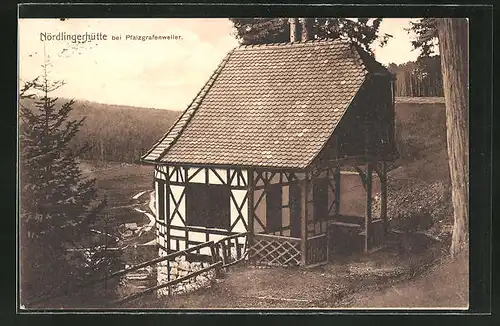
pixel 173 245
pixel 275 178
pixel 205 251
pixel 213 179
pixel 173 178
pixel 239 196
pixel 244 211
pixel 222 173
pixel 196 236
pixel 177 233
pixel 176 193
pixel 234 182
pixel 196 177
pixel 182 245
pixel 259 181
pixel 260 210
pixel 284 195
pixel 285 216
pixel 244 173
pixel 239 227
pixel 215 237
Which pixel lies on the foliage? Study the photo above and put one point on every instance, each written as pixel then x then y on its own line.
pixel 426 30
pixel 58 206
pixel 362 31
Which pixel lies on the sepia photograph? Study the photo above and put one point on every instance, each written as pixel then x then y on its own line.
pixel 243 163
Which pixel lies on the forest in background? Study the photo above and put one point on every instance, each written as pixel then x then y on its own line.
pixel 116 132
pixel 419 78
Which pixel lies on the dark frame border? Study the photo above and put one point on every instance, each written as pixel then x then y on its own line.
pixel 481 112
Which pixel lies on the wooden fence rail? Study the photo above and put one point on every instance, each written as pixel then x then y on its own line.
pixel 169 283
pixel 223 249
pixel 217 262
pixel 122 272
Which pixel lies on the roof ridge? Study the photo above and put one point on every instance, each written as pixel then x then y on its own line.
pixel 193 106
pixel 321 41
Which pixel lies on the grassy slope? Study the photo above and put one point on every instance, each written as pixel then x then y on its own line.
pixel 421 140
pixel 419 184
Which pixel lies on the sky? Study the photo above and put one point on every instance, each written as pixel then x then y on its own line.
pixel 159 73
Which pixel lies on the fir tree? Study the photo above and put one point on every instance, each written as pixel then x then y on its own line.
pixel 59 207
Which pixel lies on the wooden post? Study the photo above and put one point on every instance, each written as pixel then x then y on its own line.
pixel 225 260
pixel 368 214
pixel 383 197
pixel 250 203
pixel 337 190
pixel 303 219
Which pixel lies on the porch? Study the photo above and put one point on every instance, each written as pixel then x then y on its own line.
pixel 341 237
pixel 309 228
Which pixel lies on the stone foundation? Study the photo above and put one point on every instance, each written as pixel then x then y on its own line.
pixel 180 267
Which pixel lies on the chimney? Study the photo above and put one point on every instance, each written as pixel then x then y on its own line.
pixel 294 29
pixel 306 29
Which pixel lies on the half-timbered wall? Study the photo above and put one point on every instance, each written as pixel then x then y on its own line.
pixel 290 199
pixel 317 224
pixel 174 232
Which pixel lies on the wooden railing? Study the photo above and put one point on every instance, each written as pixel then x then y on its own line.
pixel 222 257
pixel 275 250
pixel 317 250
pixel 231 249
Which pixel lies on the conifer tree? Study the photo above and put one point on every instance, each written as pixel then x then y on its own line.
pixel 59 207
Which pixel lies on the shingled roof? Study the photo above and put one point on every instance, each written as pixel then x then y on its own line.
pixel 273 105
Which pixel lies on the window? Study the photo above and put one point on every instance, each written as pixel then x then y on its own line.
pixel 320 197
pixel 207 205
pixel 161 199
pixel 274 207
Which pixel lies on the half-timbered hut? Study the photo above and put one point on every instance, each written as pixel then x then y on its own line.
pixel 261 148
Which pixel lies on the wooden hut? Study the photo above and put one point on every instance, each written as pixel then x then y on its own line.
pixel 261 147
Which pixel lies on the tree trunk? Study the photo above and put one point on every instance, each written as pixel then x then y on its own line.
pixel 294 29
pixel 453 47
pixel 306 29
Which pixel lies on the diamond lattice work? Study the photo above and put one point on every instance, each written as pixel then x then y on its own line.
pixel 275 252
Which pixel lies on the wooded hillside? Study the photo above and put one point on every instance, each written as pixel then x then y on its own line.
pixel 119 133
